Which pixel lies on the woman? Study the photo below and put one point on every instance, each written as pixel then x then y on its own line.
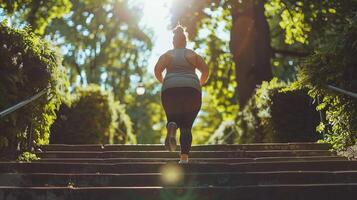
pixel 181 91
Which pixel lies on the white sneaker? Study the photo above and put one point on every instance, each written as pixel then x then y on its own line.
pixel 183 162
pixel 170 141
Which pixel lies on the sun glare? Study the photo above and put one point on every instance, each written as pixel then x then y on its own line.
pixel 156 10
pixel 156 16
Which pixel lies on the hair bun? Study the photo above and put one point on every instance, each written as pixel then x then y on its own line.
pixel 179 36
pixel 179 30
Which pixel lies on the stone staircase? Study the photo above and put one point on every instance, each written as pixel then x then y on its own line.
pixel 279 171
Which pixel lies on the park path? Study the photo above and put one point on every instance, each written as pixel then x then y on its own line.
pixel 286 171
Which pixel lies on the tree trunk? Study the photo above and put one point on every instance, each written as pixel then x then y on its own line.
pixel 31 16
pixel 250 46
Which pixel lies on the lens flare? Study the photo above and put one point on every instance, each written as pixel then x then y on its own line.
pixel 172 174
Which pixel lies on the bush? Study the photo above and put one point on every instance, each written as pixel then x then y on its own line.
pixel 93 117
pixel 294 117
pixel 123 131
pixel 28 65
pixel 334 63
pixel 225 134
pixel 276 114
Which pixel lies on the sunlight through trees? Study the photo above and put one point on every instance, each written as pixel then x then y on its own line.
pixel 113 44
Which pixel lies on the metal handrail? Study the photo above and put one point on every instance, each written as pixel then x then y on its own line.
pixel 351 94
pixel 22 103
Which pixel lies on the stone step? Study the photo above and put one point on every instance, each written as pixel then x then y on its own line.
pixel 155 167
pixel 189 179
pixel 193 154
pixel 160 147
pixel 193 160
pixel 256 192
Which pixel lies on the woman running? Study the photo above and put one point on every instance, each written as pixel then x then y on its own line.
pixel 181 91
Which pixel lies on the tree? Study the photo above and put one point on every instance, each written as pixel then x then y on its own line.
pixel 249 38
pixel 298 27
pixel 262 32
pixel 250 46
pixel 103 43
pixel 38 14
pixel 29 65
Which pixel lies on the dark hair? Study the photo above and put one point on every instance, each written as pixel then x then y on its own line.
pixel 179 36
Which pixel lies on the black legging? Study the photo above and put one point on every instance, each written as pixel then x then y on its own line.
pixel 181 106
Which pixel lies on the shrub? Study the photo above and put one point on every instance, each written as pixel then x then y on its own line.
pixel 225 134
pixel 334 63
pixel 28 65
pixel 93 117
pixel 27 157
pixel 276 114
pixel 123 131
pixel 294 117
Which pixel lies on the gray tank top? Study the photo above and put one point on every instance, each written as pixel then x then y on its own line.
pixel 179 72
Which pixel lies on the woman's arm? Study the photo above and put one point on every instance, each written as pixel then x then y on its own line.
pixel 203 67
pixel 160 67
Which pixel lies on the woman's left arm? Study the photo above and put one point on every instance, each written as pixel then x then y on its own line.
pixel 160 67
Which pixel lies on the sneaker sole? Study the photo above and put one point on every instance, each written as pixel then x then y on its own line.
pixel 170 141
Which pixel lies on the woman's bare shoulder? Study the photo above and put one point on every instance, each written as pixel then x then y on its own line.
pixel 191 57
pixel 167 54
pixel 191 54
pixel 190 51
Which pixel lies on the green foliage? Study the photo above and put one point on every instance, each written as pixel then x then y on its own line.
pixel 334 63
pixel 27 157
pixel 93 117
pixel 123 127
pixel 276 114
pixel 146 112
pixel 103 43
pixel 208 120
pixel 292 20
pixel 224 134
pixel 303 21
pixel 298 27
pixel 28 65
pixel 222 84
pixel 209 25
pixel 219 94
pixel 38 14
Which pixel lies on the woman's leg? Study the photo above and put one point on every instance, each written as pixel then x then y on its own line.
pixel 186 132
pixel 185 140
pixel 181 106
pixel 191 108
pixel 169 100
